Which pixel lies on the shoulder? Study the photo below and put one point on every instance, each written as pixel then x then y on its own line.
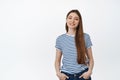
pixel 60 36
pixel 86 35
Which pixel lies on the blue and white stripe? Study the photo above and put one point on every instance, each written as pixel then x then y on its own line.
pixel 66 44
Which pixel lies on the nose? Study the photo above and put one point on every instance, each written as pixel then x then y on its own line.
pixel 72 20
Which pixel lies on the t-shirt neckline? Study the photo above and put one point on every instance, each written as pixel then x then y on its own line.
pixel 69 35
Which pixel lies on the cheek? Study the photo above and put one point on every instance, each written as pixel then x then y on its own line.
pixel 67 20
pixel 77 22
pixel 67 23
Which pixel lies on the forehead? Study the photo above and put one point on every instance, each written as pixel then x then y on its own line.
pixel 73 14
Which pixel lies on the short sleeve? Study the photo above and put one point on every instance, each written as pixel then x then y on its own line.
pixel 88 42
pixel 58 45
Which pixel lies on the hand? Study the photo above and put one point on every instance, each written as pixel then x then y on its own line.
pixel 62 76
pixel 86 75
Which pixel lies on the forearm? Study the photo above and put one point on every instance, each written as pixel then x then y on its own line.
pixel 91 65
pixel 91 59
pixel 57 67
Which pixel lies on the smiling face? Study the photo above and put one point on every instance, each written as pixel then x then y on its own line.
pixel 72 20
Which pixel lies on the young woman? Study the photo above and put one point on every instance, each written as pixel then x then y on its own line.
pixel 74 48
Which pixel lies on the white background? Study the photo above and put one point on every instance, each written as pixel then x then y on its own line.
pixel 28 30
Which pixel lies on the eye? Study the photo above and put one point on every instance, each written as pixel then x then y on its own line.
pixel 69 17
pixel 77 19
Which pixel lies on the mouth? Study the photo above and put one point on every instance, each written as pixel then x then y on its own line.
pixel 72 24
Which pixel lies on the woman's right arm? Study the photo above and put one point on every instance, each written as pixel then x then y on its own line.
pixel 58 61
pixel 60 75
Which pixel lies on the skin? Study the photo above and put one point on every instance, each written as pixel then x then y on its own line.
pixel 72 22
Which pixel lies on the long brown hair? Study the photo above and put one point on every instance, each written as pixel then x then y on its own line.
pixel 79 39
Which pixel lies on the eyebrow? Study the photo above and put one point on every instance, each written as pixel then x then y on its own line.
pixel 71 16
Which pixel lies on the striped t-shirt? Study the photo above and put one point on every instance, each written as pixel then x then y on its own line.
pixel 66 44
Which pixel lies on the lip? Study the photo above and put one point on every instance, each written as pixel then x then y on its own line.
pixel 72 24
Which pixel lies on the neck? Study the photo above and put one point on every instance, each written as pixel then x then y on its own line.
pixel 71 31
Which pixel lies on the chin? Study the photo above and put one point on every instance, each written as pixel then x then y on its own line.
pixel 72 27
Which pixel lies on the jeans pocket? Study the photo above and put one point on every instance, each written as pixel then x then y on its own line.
pixel 66 75
pixel 82 78
pixel 85 79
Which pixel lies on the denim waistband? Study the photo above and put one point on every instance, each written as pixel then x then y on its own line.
pixel 75 74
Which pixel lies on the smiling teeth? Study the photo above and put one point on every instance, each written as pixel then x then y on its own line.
pixel 72 24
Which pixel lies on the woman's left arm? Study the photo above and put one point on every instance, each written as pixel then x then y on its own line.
pixel 87 74
pixel 91 60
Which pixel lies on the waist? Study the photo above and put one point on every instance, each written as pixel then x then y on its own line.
pixel 75 74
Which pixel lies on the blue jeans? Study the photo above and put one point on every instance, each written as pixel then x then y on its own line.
pixel 76 75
